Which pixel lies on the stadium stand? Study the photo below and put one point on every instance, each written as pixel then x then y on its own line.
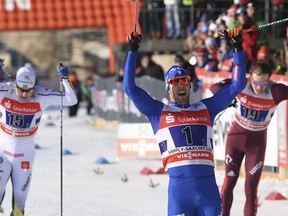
pixel 115 15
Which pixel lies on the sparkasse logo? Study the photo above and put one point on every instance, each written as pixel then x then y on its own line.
pixel 170 118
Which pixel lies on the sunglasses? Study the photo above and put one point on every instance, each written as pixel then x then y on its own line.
pixel 175 81
pixel 262 84
pixel 25 90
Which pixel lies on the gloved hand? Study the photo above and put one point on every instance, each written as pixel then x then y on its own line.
pixel 134 41
pixel 1 64
pixel 233 103
pixel 63 71
pixel 234 39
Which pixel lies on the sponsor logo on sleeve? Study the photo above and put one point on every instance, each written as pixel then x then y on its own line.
pixel 25 165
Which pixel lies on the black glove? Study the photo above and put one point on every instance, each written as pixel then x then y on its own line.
pixel 234 39
pixel 134 41
pixel 233 103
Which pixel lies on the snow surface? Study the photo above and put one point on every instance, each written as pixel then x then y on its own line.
pixel 93 189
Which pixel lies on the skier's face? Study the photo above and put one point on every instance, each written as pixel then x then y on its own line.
pixel 179 90
pixel 24 94
pixel 259 82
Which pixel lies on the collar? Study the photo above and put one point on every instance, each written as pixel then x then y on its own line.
pixel 179 105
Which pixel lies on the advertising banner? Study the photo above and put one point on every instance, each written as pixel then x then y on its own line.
pixel 137 140
pixel 282 135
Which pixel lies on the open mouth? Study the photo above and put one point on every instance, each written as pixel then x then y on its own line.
pixel 182 93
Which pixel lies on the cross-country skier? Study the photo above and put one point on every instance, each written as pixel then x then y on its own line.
pixel 184 130
pixel 255 107
pixel 21 107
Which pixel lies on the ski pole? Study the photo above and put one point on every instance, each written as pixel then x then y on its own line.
pixel 136 15
pixel 257 28
pixel 61 143
pixel 263 26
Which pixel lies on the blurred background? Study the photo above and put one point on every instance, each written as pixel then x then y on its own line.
pixel 90 35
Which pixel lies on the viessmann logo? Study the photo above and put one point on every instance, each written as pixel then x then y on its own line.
pixel 170 118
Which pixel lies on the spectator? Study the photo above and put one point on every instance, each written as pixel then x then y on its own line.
pixel 249 39
pixel 172 19
pixel 191 42
pixel 207 11
pixel 3 76
pixel 149 68
pixel 241 3
pixel 230 18
pixel 119 76
pixel 143 17
pixel 221 26
pixel 86 88
pixel 279 9
pixel 264 37
pixel 154 16
pixel 75 82
pixel 212 47
pixel 282 57
pixel 202 29
pixel 225 57
pixel 185 16
pixel 205 64
pixel 264 54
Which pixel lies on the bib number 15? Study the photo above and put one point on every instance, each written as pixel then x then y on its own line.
pixel 15 120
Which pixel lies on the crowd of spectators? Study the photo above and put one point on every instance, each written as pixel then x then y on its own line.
pixel 171 19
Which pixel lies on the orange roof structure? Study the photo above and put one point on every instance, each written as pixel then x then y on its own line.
pixel 115 15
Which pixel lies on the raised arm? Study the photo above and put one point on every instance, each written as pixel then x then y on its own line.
pixel 142 100
pixel 222 98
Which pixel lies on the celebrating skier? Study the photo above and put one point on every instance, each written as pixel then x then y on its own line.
pixel 184 130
